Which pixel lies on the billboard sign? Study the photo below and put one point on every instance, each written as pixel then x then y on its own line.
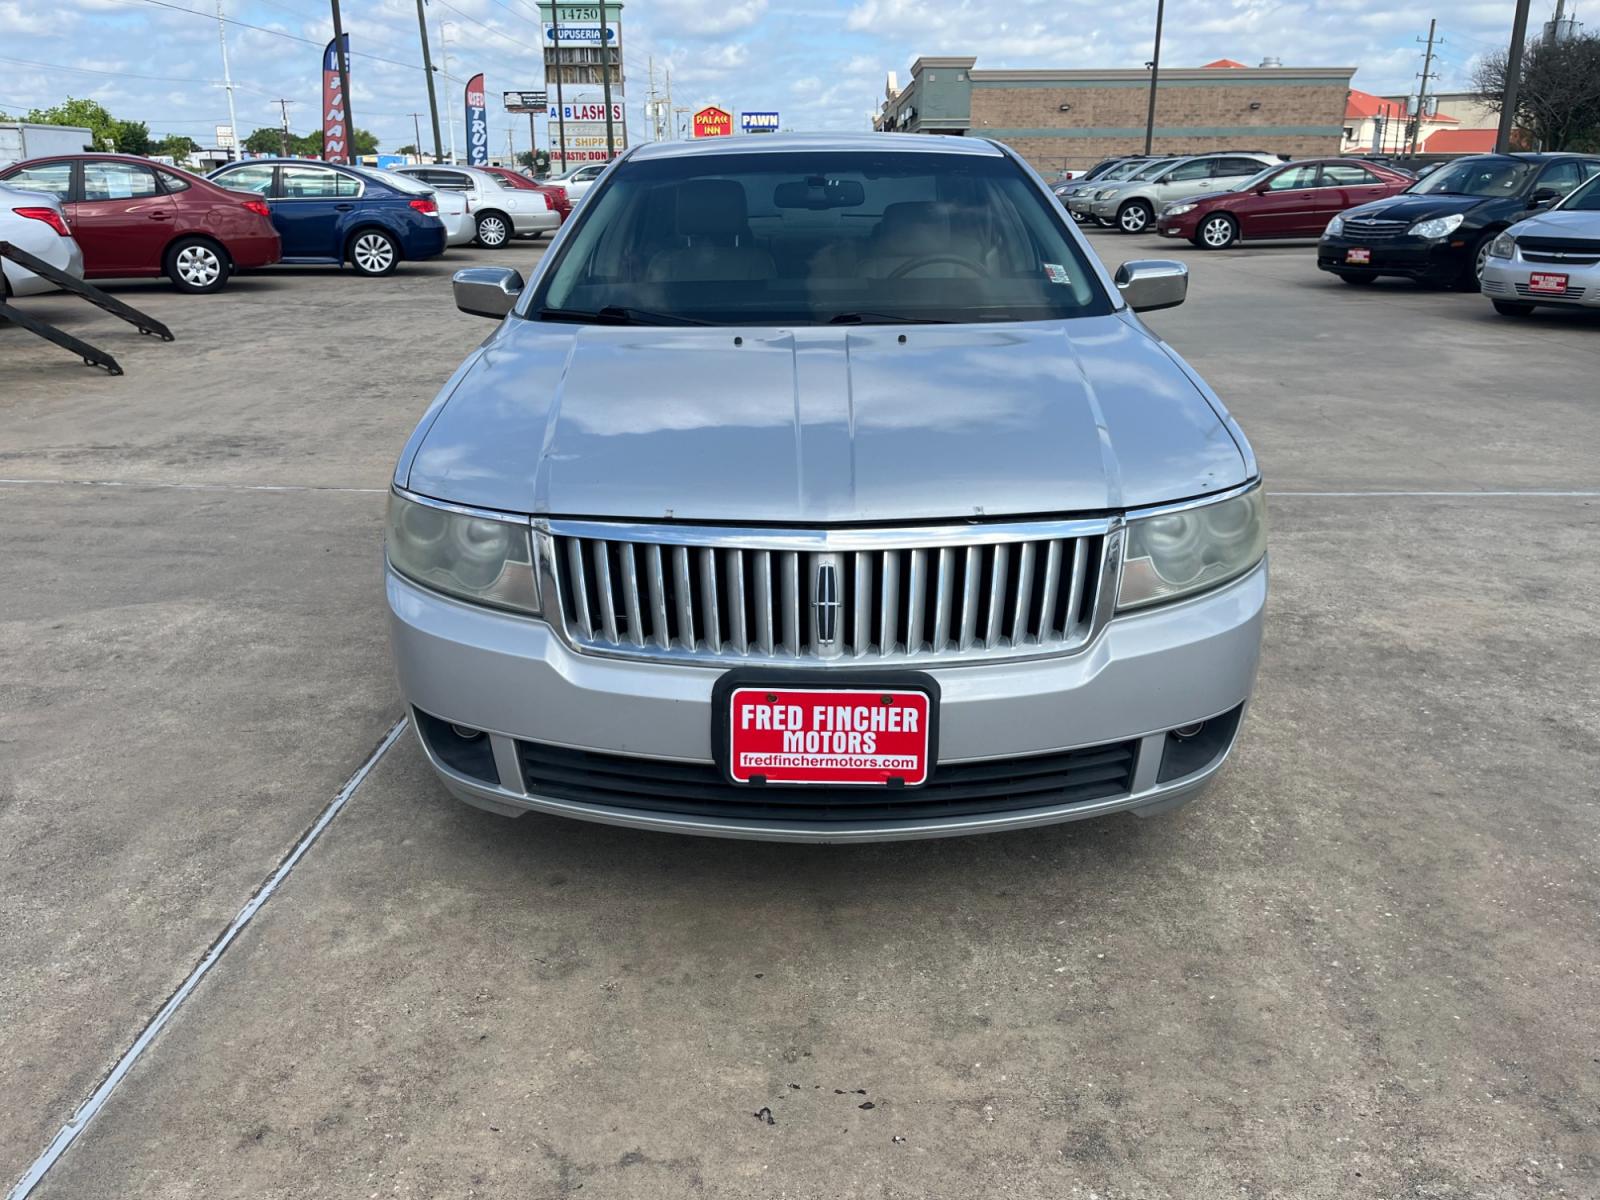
pixel 477 123
pixel 580 33
pixel 712 121
pixel 525 102
pixel 584 110
pixel 335 136
pixel 759 122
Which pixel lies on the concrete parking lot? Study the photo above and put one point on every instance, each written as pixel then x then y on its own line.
pixel 1367 964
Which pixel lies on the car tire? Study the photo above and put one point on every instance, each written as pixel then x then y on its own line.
pixel 373 252
pixel 494 230
pixel 1472 275
pixel 197 265
pixel 1358 280
pixel 1513 308
pixel 1135 216
pixel 1217 231
pixel 1081 218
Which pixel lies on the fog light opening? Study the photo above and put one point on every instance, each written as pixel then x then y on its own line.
pixel 472 735
pixel 1184 732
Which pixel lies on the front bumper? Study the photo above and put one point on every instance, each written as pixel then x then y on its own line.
pixel 1509 279
pixel 516 680
pixel 1184 226
pixel 1436 261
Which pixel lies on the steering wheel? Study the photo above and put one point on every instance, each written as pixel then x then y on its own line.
pixel 929 260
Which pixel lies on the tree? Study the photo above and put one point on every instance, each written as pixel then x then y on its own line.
pixel 177 146
pixel 131 137
pixel 267 140
pixel 1558 96
pixel 311 143
pixel 408 149
pixel 90 114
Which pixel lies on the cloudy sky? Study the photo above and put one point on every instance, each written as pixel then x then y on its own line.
pixel 820 63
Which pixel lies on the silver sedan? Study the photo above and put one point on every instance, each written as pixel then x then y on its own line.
pixel 35 222
pixel 498 212
pixel 1549 259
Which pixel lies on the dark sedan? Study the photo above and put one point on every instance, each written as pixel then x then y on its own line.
pixel 327 214
pixel 1296 200
pixel 1439 230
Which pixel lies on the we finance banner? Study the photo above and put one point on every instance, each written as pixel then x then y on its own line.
pixel 335 128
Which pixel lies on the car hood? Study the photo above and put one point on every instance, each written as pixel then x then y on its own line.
pixel 1571 223
pixel 1418 208
pixel 1210 197
pixel 820 425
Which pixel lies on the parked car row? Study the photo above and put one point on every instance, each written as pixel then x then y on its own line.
pixel 135 218
pixel 1522 228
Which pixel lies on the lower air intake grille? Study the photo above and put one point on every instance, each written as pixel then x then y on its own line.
pixel 616 781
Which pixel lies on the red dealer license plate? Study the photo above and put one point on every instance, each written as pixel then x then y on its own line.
pixel 1358 255
pixel 863 736
pixel 1548 284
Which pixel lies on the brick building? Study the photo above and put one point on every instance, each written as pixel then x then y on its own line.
pixel 1071 118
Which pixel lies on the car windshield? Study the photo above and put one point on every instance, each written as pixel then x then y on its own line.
pixel 1476 177
pixel 1256 180
pixel 807 238
pixel 1123 170
pixel 1585 199
pixel 1153 169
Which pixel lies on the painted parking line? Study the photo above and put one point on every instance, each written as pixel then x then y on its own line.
pixel 79 1121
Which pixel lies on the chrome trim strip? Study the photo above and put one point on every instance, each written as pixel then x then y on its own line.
pixel 488 514
pixel 827 540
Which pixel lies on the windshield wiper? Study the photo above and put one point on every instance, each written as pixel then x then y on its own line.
pixel 615 314
pixel 876 318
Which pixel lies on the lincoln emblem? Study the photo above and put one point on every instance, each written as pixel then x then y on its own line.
pixel 826 604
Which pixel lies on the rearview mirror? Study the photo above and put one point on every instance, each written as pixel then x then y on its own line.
pixel 1147 284
pixel 817 193
pixel 486 291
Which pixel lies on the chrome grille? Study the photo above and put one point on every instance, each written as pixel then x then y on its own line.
pixel 853 596
pixel 1374 230
pixel 1567 258
pixel 1572 293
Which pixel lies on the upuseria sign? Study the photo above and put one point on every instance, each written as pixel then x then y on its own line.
pixel 335 135
pixel 759 122
pixel 712 121
pixel 580 34
pixel 477 122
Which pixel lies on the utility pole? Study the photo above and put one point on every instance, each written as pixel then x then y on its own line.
pixel 1422 89
pixel 605 81
pixel 227 82
pixel 433 99
pixel 283 135
pixel 450 111
pixel 511 150
pixel 1508 103
pixel 561 104
pixel 416 127
pixel 342 59
pixel 652 106
pixel 671 133
pixel 1155 74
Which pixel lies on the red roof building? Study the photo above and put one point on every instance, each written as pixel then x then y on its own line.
pixel 1224 62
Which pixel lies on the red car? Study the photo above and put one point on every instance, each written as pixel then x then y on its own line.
pixel 557 195
pixel 134 217
pixel 1295 200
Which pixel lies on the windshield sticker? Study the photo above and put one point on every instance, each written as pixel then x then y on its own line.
pixel 1056 273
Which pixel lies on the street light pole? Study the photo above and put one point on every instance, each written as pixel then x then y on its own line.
pixel 1155 74
pixel 1508 103
pixel 450 112
pixel 227 82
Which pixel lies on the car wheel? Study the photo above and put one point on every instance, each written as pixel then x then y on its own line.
pixel 373 252
pixel 1218 232
pixel 197 265
pixel 1473 277
pixel 1513 308
pixel 1358 280
pixel 494 230
pixel 1134 216
pixel 1081 218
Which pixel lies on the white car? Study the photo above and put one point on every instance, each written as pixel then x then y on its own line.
pixel 579 180
pixel 498 212
pixel 34 222
pixel 459 227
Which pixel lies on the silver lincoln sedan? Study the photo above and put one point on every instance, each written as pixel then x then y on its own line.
pixel 825 489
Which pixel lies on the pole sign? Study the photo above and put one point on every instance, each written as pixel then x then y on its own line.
pixel 712 121
pixel 759 122
pixel 581 33
pixel 335 137
pixel 477 123
pixel 586 111
pixel 525 102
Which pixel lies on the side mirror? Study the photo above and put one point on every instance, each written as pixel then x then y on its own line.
pixel 1545 197
pixel 486 291
pixel 1147 284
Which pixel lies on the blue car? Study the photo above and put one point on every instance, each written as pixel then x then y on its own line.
pixel 331 214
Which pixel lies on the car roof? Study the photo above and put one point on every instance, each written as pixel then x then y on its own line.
pixel 776 143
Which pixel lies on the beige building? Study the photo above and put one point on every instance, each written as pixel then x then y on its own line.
pixel 1071 118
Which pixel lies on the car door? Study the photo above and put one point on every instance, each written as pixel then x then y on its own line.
pixel 1282 203
pixel 1185 179
pixel 310 208
pixel 1355 184
pixel 121 217
pixel 451 181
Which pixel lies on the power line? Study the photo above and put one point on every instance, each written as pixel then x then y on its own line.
pixel 276 33
pixel 125 74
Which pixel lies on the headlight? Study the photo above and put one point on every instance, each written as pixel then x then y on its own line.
pixel 1179 553
pixel 1504 246
pixel 473 558
pixel 1437 227
pixel 1104 193
pixel 1177 210
pixel 1335 227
